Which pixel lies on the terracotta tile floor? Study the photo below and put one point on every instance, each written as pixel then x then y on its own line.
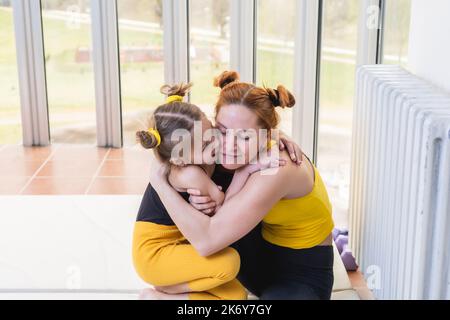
pixel 77 169
pixel 72 169
pixel 360 285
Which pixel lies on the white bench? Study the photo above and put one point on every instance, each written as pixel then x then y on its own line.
pixel 79 247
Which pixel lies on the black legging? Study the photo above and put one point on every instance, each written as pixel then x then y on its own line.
pixel 273 272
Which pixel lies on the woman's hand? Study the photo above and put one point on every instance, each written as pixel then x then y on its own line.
pixel 295 153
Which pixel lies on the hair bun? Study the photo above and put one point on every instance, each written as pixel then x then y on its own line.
pixel 147 139
pixel 281 97
pixel 180 89
pixel 225 78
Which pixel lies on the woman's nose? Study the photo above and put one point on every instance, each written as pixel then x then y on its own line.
pixel 229 144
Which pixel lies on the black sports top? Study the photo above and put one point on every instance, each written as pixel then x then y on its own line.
pixel 153 210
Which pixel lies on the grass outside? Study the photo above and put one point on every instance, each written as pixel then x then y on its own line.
pixel 71 85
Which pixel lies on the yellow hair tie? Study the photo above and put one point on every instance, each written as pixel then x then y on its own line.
pixel 271 143
pixel 174 98
pixel 155 132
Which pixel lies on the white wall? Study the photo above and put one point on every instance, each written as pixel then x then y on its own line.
pixel 429 43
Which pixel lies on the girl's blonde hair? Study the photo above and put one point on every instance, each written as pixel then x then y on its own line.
pixel 167 118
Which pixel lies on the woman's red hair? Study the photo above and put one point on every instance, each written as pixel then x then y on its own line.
pixel 261 100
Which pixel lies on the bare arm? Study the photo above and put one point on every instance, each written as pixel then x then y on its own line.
pixel 233 220
pixel 241 175
pixel 194 177
pixel 203 202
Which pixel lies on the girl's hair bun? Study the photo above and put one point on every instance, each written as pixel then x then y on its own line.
pixel 147 139
pixel 225 78
pixel 180 89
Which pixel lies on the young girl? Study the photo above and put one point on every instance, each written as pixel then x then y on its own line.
pixel 161 254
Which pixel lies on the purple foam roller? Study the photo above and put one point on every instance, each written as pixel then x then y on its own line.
pixel 339 231
pixel 348 259
pixel 340 241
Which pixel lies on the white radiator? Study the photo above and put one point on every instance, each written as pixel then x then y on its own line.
pixel 400 184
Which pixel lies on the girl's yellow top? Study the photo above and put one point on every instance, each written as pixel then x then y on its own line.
pixel 303 222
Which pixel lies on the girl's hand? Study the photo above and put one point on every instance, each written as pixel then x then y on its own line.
pixel 202 203
pixel 295 153
pixel 267 161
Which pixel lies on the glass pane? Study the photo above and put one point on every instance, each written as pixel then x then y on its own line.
pixel 209 48
pixel 70 77
pixel 338 62
pixel 275 49
pixel 141 62
pixel 396 32
pixel 10 121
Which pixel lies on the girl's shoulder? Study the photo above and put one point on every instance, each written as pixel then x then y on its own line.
pixel 181 178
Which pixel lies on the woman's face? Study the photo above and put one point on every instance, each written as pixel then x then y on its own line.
pixel 241 123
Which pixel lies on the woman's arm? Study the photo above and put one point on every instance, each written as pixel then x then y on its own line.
pixel 233 220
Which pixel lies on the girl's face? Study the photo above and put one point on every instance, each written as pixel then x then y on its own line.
pixel 203 154
pixel 200 152
pixel 243 124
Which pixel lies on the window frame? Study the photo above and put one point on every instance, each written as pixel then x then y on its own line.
pixel 176 40
pixel 31 71
pixel 31 62
pixel 106 63
pixel 243 38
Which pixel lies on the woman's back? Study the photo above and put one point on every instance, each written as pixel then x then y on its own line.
pixel 301 221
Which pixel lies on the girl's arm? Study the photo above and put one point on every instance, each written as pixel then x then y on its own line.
pixel 241 176
pixel 202 202
pixel 233 220
pixel 194 177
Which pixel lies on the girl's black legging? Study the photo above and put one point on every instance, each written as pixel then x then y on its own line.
pixel 273 272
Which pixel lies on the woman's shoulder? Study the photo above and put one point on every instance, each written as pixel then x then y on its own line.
pixel 296 180
pixel 301 178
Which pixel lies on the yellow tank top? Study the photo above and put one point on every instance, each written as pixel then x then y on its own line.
pixel 303 222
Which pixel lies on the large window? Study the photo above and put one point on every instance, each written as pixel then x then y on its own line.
pixel 276 26
pixel 70 78
pixel 396 32
pixel 337 81
pixel 142 62
pixel 209 26
pixel 10 123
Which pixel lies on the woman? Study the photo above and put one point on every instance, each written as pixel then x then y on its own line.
pixel 280 223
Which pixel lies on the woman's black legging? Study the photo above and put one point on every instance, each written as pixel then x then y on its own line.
pixel 273 272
